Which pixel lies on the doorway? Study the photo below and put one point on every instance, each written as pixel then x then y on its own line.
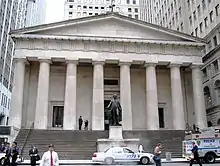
pixel 106 114
pixel 57 116
pixel 161 117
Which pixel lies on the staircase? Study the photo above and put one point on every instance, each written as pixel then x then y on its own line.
pixel 171 140
pixel 80 145
pixel 72 145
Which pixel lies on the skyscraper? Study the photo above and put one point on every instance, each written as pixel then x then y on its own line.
pixel 84 8
pixel 13 15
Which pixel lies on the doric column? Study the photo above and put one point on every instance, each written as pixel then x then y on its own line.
pixel 198 96
pixel 177 97
pixel 98 96
pixel 69 121
pixel 125 95
pixel 151 97
pixel 41 115
pixel 15 114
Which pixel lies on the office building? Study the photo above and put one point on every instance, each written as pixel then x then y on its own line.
pixel 84 8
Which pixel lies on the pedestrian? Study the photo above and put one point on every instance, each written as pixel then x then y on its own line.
pixel 14 153
pixel 50 158
pixel 86 124
pixel 195 155
pixel 33 153
pixel 80 123
pixel 7 154
pixel 140 148
pixel 157 153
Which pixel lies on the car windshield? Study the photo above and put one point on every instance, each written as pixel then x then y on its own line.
pixel 106 150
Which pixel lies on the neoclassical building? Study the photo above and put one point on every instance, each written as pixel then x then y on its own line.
pixel 72 68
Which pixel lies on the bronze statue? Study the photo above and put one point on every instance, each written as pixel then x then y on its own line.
pixel 116 111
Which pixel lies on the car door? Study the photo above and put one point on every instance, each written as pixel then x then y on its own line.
pixel 118 154
pixel 130 155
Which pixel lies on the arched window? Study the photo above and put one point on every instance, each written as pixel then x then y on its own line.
pixel 217 91
pixel 218 123
pixel 209 124
pixel 207 95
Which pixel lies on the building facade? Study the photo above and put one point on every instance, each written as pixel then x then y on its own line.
pixel 9 12
pixel 76 69
pixel 36 12
pixel 85 8
pixel 195 17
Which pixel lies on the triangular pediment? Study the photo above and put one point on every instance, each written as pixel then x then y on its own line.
pixel 108 25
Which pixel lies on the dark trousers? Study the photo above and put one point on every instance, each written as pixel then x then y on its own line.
pixel 6 162
pixel 158 163
pixel 13 161
pixel 197 160
pixel 80 126
pixel 33 161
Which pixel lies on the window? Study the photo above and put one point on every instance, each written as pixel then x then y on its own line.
pixel 111 82
pixel 128 1
pixel 161 117
pixel 194 15
pixel 211 16
pixel 215 41
pixel 203 4
pixel 84 7
pixel 209 45
pixel 201 27
pixel 70 13
pixel 70 6
pixel 190 20
pixel 207 96
pixel 90 7
pixel 216 67
pixel 129 9
pixel 79 7
pixel 136 16
pixel 96 8
pixel 217 10
pixel 134 1
pixel 130 15
pixel 196 31
pixel 127 150
pixel 206 21
pixel 136 10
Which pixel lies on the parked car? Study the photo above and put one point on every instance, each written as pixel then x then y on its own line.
pixel 122 155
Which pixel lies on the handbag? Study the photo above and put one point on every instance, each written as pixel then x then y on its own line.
pixel 37 157
pixel 156 158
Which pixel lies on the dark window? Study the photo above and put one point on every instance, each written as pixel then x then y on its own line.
pixel 215 41
pixel 161 117
pixel 71 6
pixel 110 82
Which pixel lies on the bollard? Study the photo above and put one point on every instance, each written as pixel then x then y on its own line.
pixel 168 156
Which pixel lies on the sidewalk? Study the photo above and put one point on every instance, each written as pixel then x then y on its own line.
pixel 89 162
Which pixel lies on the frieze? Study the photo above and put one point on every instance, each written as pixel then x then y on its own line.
pixel 108 46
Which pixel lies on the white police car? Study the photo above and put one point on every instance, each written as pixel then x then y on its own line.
pixel 122 155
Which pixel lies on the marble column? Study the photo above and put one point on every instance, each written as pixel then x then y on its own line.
pixel 198 97
pixel 125 95
pixel 151 97
pixel 98 96
pixel 70 121
pixel 41 114
pixel 177 97
pixel 15 114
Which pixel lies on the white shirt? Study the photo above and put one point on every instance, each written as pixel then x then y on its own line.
pixel 141 149
pixel 46 159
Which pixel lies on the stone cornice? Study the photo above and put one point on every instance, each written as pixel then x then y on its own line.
pixel 110 45
pixel 104 38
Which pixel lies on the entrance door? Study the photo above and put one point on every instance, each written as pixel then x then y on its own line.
pixel 106 114
pixel 57 116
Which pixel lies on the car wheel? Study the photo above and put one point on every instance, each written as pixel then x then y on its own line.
pixel 109 161
pixel 145 160
pixel 2 161
pixel 210 158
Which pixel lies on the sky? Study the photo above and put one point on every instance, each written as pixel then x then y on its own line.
pixel 55 10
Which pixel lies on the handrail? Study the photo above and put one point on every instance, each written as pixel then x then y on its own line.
pixel 26 138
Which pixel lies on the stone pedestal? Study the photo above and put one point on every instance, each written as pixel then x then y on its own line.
pixel 116 140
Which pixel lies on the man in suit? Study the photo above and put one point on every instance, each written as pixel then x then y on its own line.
pixel 50 158
pixel 7 154
pixel 14 153
pixel 33 153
